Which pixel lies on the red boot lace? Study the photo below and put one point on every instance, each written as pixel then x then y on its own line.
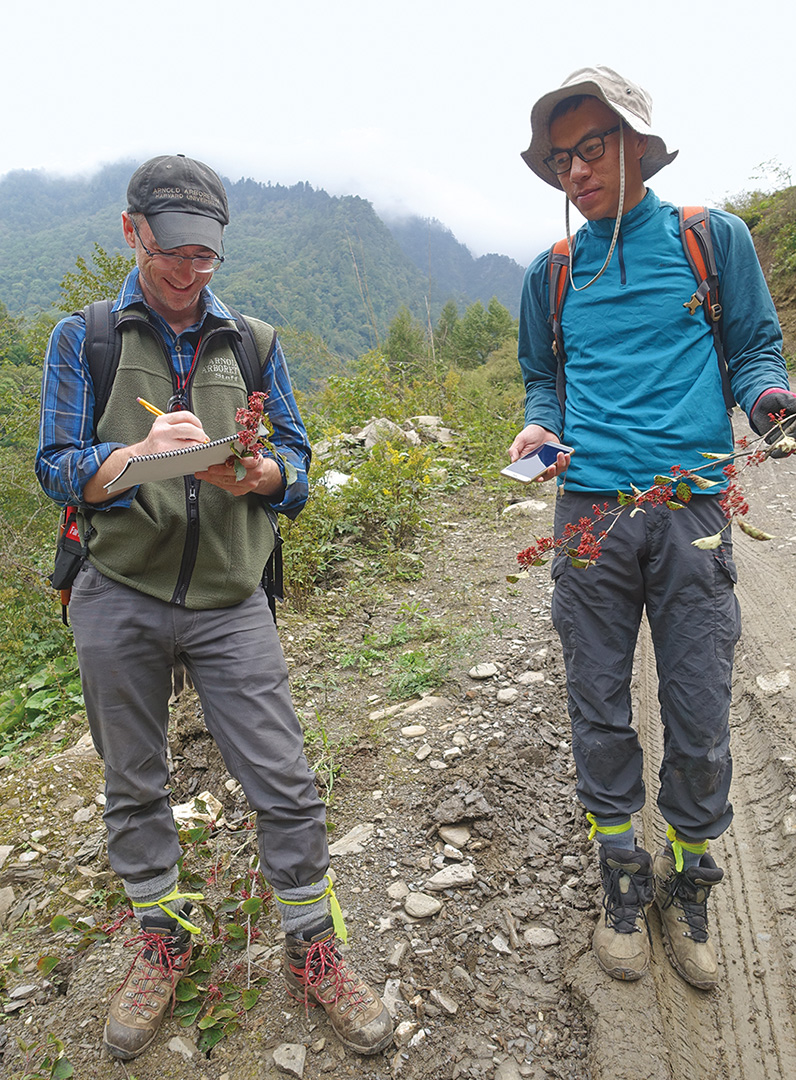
pixel 323 962
pixel 159 962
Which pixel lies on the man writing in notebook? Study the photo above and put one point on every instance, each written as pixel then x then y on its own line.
pixel 642 393
pixel 173 575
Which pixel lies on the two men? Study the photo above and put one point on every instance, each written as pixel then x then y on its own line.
pixel 174 575
pixel 639 393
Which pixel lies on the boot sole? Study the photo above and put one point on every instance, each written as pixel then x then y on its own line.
pixel 622 974
pixel 363 1051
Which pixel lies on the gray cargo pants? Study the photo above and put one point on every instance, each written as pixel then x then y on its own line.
pixel 126 644
pixel 648 561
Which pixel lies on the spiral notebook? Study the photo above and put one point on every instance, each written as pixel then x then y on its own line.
pixel 171 463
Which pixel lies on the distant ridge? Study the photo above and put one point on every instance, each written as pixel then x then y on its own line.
pixel 453 271
pixel 297 256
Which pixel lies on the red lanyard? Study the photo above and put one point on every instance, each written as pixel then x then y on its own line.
pixel 177 400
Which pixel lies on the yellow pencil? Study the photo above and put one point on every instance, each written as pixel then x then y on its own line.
pixel 148 407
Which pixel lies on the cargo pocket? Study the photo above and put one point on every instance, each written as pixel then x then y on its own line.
pixel 560 608
pixel 726 609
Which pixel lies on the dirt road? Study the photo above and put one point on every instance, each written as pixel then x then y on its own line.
pixel 500 983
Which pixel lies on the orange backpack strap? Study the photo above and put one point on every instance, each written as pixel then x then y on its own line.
pixel 558 280
pixel 698 248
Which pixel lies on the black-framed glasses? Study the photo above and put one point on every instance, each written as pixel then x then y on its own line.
pixel 202 264
pixel 588 149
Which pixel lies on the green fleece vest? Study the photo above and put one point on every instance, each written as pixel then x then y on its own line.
pixel 181 540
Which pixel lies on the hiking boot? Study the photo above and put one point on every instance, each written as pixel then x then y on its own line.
pixel 681 898
pixel 317 974
pixel 621 939
pixel 140 1003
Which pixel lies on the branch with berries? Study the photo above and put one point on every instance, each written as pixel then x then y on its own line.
pixel 254 438
pixel 582 541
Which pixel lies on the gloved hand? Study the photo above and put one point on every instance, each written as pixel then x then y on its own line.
pixel 773 403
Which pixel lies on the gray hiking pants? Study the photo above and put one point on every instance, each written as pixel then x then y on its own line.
pixel 126 644
pixel 648 562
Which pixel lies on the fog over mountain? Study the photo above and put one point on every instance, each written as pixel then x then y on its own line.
pixel 296 256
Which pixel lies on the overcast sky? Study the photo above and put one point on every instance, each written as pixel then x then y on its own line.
pixel 420 106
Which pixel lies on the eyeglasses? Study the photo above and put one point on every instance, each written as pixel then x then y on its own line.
pixel 202 264
pixel 588 149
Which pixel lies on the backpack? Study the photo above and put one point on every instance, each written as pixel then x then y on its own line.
pixel 103 352
pixel 698 249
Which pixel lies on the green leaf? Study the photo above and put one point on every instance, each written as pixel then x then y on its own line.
pixel 13 966
pixel 187 1011
pixel 624 499
pixel 786 446
pixel 750 530
pixel 62 1069
pixel 291 473
pixel 675 505
pixel 209 1038
pixel 45 964
pixel 523 574
pixel 207 1022
pixel 708 543
pixel 252 906
pixel 239 467
pixel 663 480
pixel 683 492
pixel 61 922
pixel 186 990
pixel 703 482
pixel 249 997
pixel 579 564
pixel 715 457
pixel 223 1012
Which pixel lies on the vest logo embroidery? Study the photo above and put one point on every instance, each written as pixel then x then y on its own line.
pixel 224 368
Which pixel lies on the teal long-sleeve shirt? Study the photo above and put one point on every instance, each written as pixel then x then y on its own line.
pixel 643 386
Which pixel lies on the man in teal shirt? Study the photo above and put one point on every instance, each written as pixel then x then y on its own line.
pixel 643 394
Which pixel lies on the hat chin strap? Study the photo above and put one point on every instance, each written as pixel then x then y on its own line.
pixel 614 238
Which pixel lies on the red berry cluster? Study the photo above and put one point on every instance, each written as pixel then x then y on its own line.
pixel 250 419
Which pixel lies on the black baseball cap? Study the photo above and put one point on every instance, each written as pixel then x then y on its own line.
pixel 183 201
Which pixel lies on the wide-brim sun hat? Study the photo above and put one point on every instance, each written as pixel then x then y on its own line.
pixel 627 99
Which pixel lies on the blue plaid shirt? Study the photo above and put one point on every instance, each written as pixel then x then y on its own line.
pixel 68 456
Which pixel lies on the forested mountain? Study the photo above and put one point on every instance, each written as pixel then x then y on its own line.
pixel 451 271
pixel 296 256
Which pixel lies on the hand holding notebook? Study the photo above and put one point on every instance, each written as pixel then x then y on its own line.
pixel 192 453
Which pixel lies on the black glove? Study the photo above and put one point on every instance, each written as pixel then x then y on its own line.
pixel 775 402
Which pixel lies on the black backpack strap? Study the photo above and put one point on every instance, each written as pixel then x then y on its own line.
pixel 273 576
pixel 103 350
pixel 250 362
pixel 698 248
